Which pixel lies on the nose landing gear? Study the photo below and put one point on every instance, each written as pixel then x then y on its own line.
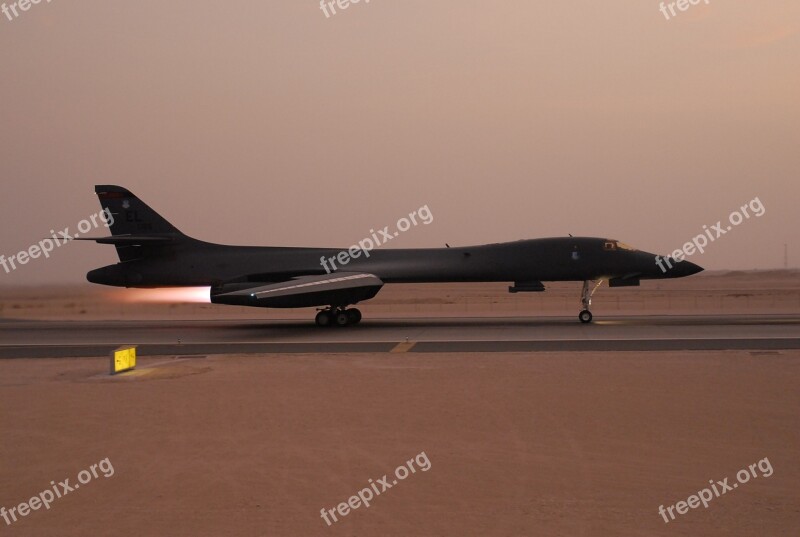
pixel 585 316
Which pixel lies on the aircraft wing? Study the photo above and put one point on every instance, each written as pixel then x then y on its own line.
pixel 343 288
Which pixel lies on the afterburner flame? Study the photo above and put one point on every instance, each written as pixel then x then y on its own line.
pixel 169 295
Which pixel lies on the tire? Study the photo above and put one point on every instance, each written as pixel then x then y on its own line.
pixel 585 316
pixel 354 315
pixel 341 318
pixel 323 319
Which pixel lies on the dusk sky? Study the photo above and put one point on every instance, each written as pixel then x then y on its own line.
pixel 268 123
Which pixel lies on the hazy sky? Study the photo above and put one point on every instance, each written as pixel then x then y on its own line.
pixel 267 123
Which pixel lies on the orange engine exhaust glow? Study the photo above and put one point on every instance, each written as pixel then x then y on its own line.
pixel 169 295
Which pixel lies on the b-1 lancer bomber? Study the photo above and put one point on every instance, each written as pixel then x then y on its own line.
pixel 154 253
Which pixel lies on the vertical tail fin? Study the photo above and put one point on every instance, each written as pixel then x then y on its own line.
pixel 131 215
pixel 135 225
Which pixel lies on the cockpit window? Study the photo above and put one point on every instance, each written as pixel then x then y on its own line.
pixel 616 245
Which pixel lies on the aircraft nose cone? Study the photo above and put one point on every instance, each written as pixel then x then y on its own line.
pixel 687 268
pixel 669 267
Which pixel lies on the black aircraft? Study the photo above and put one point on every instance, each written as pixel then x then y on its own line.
pixel 153 253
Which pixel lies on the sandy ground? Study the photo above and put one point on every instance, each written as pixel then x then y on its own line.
pixel 518 444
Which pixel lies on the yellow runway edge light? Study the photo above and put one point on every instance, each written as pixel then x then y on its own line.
pixel 123 359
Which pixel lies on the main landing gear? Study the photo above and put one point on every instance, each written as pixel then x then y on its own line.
pixel 585 316
pixel 338 317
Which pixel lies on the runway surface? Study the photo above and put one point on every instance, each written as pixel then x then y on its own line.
pixel 62 339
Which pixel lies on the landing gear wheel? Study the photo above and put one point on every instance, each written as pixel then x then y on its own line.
pixel 353 316
pixel 324 318
pixel 341 318
pixel 585 316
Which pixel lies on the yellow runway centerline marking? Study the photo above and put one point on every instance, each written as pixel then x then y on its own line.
pixel 405 346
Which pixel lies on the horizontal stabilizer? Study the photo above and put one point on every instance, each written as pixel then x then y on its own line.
pixel 130 239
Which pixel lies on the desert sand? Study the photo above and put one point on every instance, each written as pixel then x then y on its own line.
pixel 519 444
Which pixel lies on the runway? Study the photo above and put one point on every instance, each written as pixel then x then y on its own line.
pixel 62 339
